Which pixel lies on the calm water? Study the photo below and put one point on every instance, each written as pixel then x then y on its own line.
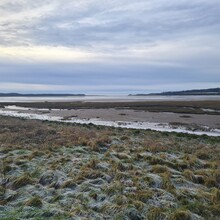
pixel 109 98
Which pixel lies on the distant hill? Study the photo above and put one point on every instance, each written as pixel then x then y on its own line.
pixel 37 95
pixel 212 91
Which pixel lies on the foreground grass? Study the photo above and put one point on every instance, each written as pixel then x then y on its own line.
pixel 60 171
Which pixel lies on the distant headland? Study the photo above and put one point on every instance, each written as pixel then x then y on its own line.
pixel 37 95
pixel 212 91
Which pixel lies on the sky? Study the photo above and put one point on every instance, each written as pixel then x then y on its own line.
pixel 109 46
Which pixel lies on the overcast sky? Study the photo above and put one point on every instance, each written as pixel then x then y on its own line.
pixel 109 46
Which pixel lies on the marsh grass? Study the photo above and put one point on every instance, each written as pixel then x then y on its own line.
pixel 69 184
pixel 2 191
pixel 159 169
pixel 216 196
pixel 155 213
pixel 181 215
pixel 97 172
pixel 34 202
pixel 142 196
pixel 22 181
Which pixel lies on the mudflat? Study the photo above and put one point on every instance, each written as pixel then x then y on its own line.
pixel 188 113
pixel 124 115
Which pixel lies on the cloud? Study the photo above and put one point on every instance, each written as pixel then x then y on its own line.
pixel 156 41
pixel 44 54
pixel 88 23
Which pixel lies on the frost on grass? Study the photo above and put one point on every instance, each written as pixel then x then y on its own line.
pixel 51 170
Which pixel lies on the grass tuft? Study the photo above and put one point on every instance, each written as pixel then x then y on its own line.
pixel 21 181
pixel 34 202
pixel 181 215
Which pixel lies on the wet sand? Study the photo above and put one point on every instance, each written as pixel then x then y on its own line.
pixel 212 121
pixel 126 118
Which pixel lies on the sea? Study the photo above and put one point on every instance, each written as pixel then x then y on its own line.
pixel 111 98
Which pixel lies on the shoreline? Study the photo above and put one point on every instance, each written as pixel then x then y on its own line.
pixel 59 116
pixel 193 117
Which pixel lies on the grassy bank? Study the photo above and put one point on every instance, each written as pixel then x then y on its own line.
pixel 63 171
